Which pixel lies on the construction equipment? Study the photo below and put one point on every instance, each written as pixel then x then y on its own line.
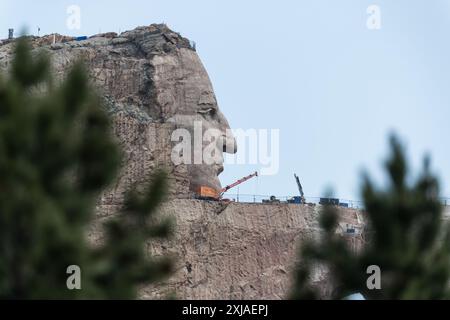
pixel 300 189
pixel 295 200
pixel 272 199
pixel 207 193
pixel 329 201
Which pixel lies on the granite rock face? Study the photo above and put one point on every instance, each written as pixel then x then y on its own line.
pixel 236 250
pixel 153 83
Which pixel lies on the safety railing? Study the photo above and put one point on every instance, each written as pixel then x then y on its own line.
pixel 252 198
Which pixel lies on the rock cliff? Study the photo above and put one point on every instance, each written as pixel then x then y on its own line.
pixel 153 83
pixel 234 251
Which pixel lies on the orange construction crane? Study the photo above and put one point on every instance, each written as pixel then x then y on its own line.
pixel 208 193
pixel 255 174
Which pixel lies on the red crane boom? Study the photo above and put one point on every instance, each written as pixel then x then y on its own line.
pixel 238 183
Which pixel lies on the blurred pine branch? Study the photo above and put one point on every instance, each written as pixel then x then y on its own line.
pixel 409 241
pixel 56 157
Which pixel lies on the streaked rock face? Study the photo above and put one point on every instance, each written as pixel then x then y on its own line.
pixel 153 82
pixel 235 251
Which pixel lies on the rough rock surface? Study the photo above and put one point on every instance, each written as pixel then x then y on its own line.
pixel 153 83
pixel 234 251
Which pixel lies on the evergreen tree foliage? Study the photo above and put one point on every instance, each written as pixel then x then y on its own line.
pixel 409 241
pixel 56 157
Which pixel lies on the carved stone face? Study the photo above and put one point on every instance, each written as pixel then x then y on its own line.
pixel 186 97
pixel 154 73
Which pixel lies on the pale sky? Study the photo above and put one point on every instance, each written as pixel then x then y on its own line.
pixel 310 68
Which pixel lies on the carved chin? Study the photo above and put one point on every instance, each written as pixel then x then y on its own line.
pixel 205 175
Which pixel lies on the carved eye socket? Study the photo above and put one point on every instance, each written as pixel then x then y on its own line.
pixel 208 111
